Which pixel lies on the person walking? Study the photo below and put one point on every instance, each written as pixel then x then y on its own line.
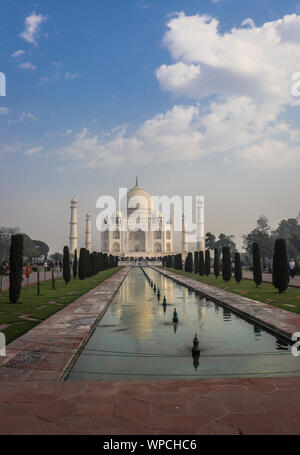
pixel 28 272
pixel 292 268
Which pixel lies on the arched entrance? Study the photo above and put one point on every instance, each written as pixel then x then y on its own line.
pixel 137 241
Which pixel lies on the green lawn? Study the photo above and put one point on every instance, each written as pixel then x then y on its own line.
pixel 41 307
pixel 266 293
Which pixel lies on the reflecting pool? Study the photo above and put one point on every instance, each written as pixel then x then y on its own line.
pixel 137 339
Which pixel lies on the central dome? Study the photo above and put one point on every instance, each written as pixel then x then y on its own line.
pixel 137 198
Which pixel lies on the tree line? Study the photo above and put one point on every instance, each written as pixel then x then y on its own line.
pixel 199 263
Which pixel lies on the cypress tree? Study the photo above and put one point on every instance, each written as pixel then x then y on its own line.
pixel 66 265
pixel 82 265
pixel 53 281
pixel 238 274
pixel 16 267
pixel 191 263
pixel 75 265
pixel 257 272
pixel 180 265
pixel 101 262
pixel 280 266
pixel 88 264
pixel 207 262
pixel 216 263
pixel 201 264
pixel 226 261
pixel 196 262
pixel 186 264
pixel 105 261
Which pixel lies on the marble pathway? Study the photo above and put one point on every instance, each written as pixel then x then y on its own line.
pixel 189 407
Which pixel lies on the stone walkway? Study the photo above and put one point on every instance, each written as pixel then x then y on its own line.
pixel 44 353
pixel 32 280
pixel 202 407
pixel 282 322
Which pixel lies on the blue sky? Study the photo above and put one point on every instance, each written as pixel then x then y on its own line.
pixel 100 91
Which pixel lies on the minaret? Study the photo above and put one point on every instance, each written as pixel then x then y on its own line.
pixel 200 203
pixel 88 233
pixel 184 242
pixel 73 226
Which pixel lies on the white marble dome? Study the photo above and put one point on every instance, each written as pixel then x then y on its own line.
pixel 137 198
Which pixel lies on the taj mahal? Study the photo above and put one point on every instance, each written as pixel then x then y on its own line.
pixel 155 239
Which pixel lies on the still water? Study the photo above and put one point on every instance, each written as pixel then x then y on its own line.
pixel 136 338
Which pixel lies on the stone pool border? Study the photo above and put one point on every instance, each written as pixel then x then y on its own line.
pixel 46 352
pixel 275 320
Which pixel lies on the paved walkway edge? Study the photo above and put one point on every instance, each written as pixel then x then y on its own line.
pixel 281 323
pixel 46 352
pixel 115 289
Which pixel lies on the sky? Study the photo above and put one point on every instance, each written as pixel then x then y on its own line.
pixel 194 97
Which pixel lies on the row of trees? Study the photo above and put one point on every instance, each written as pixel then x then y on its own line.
pixel 200 263
pixel 89 265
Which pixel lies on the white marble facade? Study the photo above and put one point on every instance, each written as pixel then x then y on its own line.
pixel 146 243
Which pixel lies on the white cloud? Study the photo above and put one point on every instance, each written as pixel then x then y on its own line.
pixel 68 132
pixel 27 66
pixel 161 139
pixel 270 153
pixel 240 86
pixel 57 64
pixel 10 148
pixel 249 22
pixel 34 151
pixel 255 61
pixel 69 76
pixel 18 53
pixel 4 110
pixel 24 116
pixel 32 27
